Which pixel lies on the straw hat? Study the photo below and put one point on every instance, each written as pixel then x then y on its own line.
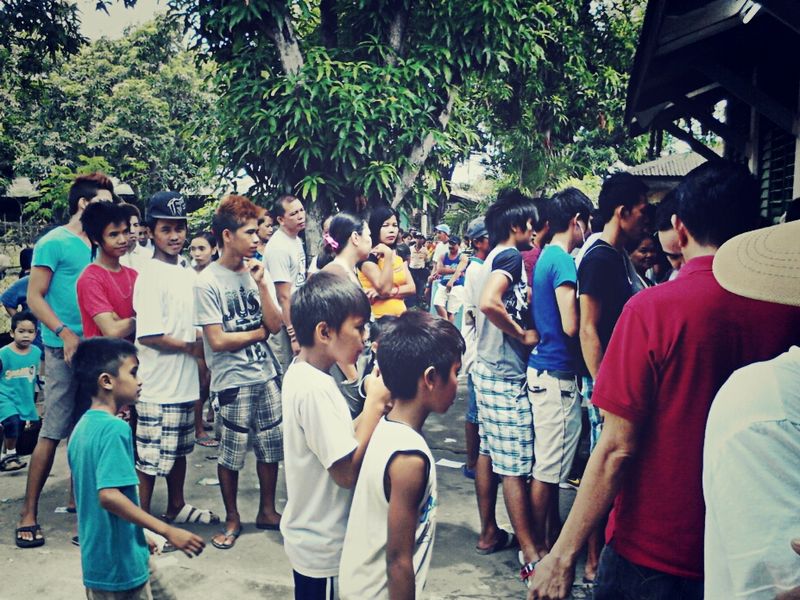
pixel 763 264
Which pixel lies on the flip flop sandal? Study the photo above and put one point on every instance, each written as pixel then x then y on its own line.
pixel 228 533
pixel 206 441
pixel 526 572
pixel 32 529
pixel 192 514
pixel 11 463
pixel 505 541
pixel 76 541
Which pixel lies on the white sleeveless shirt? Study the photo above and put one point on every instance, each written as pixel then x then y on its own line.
pixel 362 573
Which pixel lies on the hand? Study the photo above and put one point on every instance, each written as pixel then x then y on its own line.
pixel 71 342
pixel 530 337
pixel 151 544
pixel 372 295
pixel 552 579
pixel 188 542
pixel 382 250
pixel 378 397
pixel 794 593
pixel 449 286
pixel 256 269
pixel 295 347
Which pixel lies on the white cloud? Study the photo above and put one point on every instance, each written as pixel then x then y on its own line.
pixel 96 24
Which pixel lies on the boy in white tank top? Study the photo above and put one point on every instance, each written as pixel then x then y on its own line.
pixel 396 491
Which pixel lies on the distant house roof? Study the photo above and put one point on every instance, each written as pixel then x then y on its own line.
pixel 673 165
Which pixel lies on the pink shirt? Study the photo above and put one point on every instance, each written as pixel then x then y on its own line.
pixel 103 291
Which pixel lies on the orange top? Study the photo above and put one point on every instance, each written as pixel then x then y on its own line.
pixel 387 306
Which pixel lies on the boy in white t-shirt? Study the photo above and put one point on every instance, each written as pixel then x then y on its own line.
pixel 323 447
pixel 167 343
pixel 396 492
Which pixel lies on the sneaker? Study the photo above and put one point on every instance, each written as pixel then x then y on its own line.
pixel 572 483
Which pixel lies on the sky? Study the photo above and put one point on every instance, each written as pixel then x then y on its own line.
pixel 96 24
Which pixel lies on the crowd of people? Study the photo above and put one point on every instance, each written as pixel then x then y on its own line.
pixel 324 365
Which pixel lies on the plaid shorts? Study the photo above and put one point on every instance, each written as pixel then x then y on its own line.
pixel 250 412
pixel 164 432
pixel 505 422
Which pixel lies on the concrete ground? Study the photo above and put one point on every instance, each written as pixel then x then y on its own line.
pixel 257 566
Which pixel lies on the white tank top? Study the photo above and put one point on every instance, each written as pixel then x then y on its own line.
pixel 362 573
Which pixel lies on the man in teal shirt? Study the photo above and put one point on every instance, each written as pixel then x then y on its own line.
pixel 59 257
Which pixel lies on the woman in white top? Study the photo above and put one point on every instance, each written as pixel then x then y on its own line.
pixel 347 243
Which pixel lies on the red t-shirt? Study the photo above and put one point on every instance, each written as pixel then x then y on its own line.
pixel 672 349
pixel 102 291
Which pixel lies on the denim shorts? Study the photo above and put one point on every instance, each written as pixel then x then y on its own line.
pixel 472 402
pixel 12 427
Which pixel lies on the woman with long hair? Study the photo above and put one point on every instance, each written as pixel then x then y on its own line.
pixel 384 275
pixel 347 243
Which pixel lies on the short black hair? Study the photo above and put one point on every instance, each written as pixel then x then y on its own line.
pixel 511 209
pixel 403 251
pixel 541 213
pixel 379 326
pixel 664 211
pixel 99 215
pixel 23 315
pixel 96 356
pixel 279 208
pixel 566 204
pixel 621 189
pixel 87 186
pixel 326 298
pixel 377 218
pixel 415 341
pixel 717 201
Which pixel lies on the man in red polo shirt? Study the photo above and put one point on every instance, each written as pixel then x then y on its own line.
pixel 672 349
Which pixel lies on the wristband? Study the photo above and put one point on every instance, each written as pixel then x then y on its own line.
pixel 59 329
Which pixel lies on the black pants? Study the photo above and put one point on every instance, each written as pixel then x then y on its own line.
pixel 420 277
pixel 620 579
pixel 311 588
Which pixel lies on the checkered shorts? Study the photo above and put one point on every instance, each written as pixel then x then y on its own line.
pixel 505 422
pixel 164 432
pixel 250 412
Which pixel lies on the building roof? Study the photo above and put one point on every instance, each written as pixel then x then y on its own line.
pixel 673 165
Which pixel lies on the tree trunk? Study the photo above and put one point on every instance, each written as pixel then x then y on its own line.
pixel 419 153
pixel 282 34
pixel 397 30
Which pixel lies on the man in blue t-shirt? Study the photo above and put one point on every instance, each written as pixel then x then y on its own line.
pixel 59 258
pixel 114 552
pixel 552 384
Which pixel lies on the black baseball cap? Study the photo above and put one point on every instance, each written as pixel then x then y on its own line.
pixel 166 205
pixel 454 239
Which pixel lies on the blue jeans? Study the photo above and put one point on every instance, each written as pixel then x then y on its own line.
pixel 620 579
pixel 472 402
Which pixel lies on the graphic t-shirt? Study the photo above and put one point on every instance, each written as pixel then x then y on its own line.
pixel 555 351
pixel 18 374
pixel 164 302
pixel 603 276
pixel 504 355
pixel 224 297
pixel 66 255
pixel 363 570
pixel 103 291
pixel 317 432
pixel 114 553
pixel 285 259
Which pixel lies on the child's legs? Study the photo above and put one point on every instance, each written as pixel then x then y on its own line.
pixel 142 592
pixel 177 441
pixel 267 444
pixel 12 426
pixel 311 588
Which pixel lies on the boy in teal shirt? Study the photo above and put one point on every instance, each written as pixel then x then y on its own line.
pixel 114 552
pixel 19 370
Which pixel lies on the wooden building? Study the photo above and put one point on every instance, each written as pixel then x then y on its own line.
pixel 694 54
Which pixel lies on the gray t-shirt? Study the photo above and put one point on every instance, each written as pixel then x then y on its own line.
pixel 223 297
pixel 504 355
pixel 285 259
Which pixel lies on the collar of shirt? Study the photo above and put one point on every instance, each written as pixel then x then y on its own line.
pixel 696 265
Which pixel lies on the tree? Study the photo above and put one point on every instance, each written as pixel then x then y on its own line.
pixel 141 103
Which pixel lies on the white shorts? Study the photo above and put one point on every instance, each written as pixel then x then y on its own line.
pixel 556 424
pixel 451 302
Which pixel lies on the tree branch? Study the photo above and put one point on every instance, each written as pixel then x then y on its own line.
pixel 397 30
pixel 282 34
pixel 419 153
